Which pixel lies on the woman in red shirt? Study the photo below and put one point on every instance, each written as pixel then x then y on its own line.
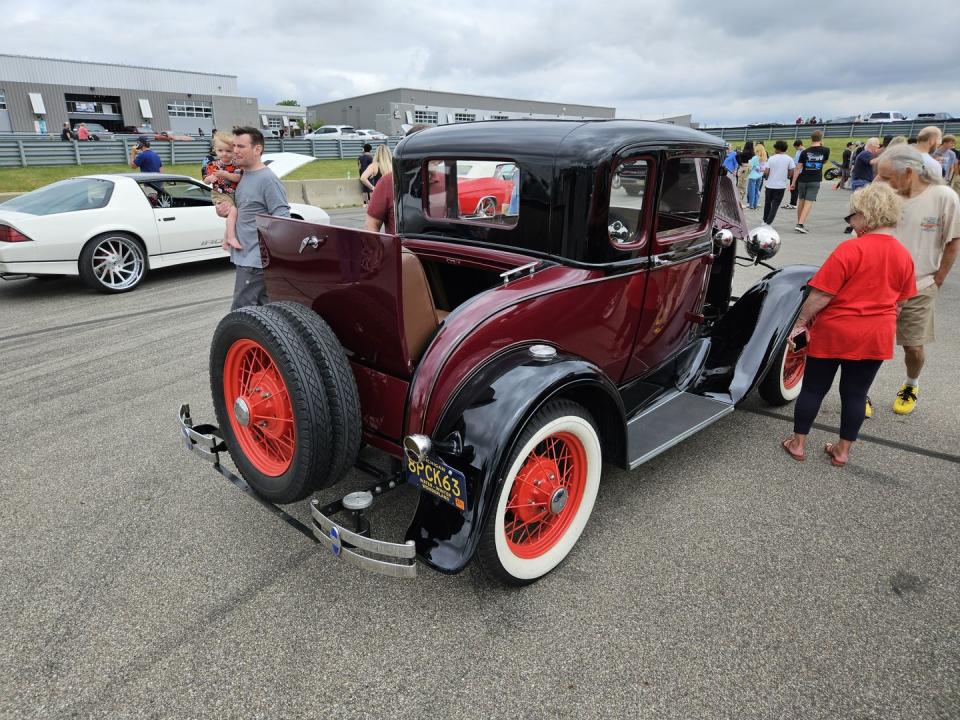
pixel 850 318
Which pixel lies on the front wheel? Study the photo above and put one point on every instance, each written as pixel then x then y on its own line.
pixel 546 498
pixel 784 379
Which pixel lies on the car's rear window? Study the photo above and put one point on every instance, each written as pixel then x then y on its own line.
pixel 64 196
pixel 473 191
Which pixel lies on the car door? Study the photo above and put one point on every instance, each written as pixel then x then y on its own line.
pixel 679 264
pixel 187 222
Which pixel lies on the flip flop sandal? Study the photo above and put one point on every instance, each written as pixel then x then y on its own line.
pixel 828 449
pixel 799 457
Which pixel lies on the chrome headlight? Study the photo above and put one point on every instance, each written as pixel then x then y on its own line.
pixel 762 243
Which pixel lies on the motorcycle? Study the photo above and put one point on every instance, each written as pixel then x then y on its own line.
pixel 834 172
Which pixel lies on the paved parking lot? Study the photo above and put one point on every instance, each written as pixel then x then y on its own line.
pixel 721 580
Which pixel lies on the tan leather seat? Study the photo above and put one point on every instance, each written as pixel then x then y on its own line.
pixel 420 316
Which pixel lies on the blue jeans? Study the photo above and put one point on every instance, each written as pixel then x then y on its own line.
pixel 857 184
pixel 753 192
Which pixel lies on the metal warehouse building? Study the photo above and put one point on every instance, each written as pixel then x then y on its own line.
pixel 387 111
pixel 40 94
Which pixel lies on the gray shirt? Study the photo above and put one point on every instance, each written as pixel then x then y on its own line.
pixel 259 191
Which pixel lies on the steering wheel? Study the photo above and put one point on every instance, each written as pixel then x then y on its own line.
pixel 164 201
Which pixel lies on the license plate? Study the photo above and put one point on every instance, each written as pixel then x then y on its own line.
pixel 438 478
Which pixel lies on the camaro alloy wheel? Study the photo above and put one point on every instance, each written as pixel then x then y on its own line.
pixel 271 404
pixel 783 381
pixel 113 263
pixel 547 495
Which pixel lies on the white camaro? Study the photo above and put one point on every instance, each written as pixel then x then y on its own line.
pixel 111 229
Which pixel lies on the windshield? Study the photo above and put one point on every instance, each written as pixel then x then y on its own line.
pixel 64 196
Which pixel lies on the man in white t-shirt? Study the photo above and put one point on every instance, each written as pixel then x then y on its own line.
pixel 928 140
pixel 930 229
pixel 777 176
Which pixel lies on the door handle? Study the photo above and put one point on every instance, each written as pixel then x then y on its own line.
pixel 167 219
pixel 312 241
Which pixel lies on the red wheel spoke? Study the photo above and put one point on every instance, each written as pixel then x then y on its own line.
pixel 249 372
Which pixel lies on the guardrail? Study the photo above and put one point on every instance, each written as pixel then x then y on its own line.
pixel 791 132
pixel 33 152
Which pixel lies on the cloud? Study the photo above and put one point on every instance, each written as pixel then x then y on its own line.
pixel 724 62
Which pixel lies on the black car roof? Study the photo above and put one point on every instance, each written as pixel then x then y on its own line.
pixel 570 140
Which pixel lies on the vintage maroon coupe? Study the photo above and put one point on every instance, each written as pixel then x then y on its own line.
pixel 500 357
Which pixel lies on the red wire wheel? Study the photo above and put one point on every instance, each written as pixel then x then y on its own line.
pixel 549 488
pixel 784 379
pixel 545 495
pixel 261 414
pixel 794 364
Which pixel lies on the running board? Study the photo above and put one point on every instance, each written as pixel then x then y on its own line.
pixel 667 422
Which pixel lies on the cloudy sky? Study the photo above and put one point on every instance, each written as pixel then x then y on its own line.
pixel 725 62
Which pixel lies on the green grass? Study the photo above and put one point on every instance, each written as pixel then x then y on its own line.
pixel 836 145
pixel 30 178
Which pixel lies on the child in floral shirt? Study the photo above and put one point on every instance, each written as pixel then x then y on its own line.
pixel 223 176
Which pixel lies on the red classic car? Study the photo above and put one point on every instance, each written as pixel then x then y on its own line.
pixel 500 357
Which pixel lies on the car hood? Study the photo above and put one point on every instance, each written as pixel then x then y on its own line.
pixel 285 163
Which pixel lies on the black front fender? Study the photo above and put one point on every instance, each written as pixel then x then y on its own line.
pixel 488 411
pixel 745 341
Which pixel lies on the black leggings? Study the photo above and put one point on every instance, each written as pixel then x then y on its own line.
pixel 771 202
pixel 856 377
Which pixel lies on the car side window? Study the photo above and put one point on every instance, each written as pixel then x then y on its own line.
pixel 176 194
pixel 484 192
pixel 682 205
pixel 628 193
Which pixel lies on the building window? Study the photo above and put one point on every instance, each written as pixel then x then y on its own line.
pixel 428 117
pixel 189 108
pixel 274 122
pixel 499 117
pixel 464 117
pixel 3 100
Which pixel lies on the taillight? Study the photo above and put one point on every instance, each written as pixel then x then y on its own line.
pixel 9 234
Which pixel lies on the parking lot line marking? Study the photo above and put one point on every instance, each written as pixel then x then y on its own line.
pixel 868 438
pixel 125 316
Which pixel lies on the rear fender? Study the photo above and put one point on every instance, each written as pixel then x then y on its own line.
pixel 490 408
pixel 745 341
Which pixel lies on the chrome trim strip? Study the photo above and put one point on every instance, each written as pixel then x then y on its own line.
pixel 508 275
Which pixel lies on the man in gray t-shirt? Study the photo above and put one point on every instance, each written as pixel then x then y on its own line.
pixel 259 191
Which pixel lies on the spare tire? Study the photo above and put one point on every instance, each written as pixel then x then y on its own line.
pixel 343 400
pixel 271 403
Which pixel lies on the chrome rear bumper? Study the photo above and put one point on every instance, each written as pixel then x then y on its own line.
pixel 345 545
pixel 378 556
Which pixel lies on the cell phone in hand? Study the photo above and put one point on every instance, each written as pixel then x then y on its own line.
pixel 800 341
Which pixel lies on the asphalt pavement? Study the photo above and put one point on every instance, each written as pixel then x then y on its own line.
pixel 720 580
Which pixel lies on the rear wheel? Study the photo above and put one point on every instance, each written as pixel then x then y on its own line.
pixel 113 263
pixel 784 379
pixel 270 403
pixel 546 497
